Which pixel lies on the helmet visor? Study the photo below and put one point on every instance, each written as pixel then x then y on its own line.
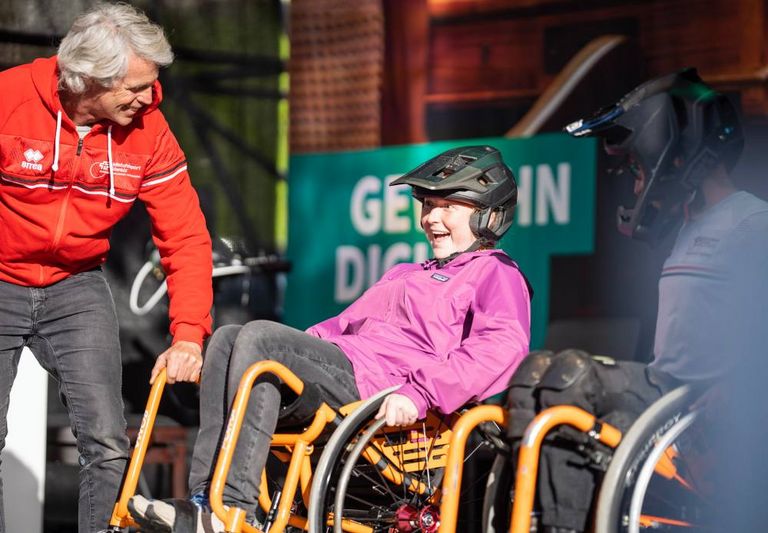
pixel 601 124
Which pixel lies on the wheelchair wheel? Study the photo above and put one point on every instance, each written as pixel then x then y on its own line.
pixel 374 478
pixel 499 493
pixel 327 466
pixel 658 477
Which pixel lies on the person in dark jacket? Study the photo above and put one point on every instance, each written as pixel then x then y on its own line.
pixel 678 139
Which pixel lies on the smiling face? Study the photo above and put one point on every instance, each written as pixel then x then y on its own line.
pixel 446 223
pixel 125 99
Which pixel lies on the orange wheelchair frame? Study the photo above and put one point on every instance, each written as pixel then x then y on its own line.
pixel 528 459
pixel 299 446
pixel 651 447
pixel 296 450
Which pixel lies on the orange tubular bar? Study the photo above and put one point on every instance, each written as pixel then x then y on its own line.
pixel 649 521
pixel 454 468
pixel 306 479
pixel 299 469
pixel 120 515
pixel 528 461
pixel 233 517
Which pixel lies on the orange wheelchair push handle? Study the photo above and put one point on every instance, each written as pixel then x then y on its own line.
pixel 451 486
pixel 528 459
pixel 120 516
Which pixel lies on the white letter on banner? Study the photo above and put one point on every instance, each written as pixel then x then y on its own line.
pixel 396 202
pixel 374 260
pixel 420 252
pixel 523 213
pixel 347 289
pixel 396 253
pixel 364 211
pixel 556 194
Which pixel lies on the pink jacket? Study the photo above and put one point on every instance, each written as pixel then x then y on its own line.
pixel 447 335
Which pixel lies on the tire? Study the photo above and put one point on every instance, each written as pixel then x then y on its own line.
pixel 360 489
pixel 499 493
pixel 386 505
pixel 634 497
pixel 328 462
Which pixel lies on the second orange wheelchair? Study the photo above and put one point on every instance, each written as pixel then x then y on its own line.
pixel 658 475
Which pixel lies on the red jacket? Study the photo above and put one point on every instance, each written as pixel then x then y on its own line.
pixel 61 196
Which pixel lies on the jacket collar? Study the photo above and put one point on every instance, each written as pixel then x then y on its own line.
pixel 460 259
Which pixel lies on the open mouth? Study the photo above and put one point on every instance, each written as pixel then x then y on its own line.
pixel 440 236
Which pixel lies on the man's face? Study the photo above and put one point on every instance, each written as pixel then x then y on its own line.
pixel 128 96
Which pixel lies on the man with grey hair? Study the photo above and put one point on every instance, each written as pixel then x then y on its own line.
pixel 81 139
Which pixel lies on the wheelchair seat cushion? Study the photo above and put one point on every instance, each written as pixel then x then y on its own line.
pixel 299 410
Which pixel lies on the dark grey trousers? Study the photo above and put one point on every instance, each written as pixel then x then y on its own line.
pixel 230 352
pixel 71 328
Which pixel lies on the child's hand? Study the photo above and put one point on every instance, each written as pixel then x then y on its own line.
pixel 398 410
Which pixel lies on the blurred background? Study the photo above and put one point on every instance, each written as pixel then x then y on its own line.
pixel 260 87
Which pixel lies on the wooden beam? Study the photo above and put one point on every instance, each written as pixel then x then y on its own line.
pixel 406 34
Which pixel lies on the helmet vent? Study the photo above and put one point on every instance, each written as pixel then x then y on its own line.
pixel 457 163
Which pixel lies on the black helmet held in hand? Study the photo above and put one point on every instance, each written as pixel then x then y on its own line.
pixel 475 175
pixel 675 130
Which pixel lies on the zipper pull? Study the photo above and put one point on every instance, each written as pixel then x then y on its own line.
pixel 79 146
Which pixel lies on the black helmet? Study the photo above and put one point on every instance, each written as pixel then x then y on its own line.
pixel 677 129
pixel 473 174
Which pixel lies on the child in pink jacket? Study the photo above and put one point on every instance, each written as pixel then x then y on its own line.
pixel 448 331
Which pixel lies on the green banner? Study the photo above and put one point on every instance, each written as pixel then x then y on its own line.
pixel 347 226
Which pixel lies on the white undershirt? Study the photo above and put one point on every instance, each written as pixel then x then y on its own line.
pixel 82 131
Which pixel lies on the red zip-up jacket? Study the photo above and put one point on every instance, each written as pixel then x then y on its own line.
pixel 60 196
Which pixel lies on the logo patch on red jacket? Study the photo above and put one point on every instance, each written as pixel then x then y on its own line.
pixel 33 158
pixel 101 168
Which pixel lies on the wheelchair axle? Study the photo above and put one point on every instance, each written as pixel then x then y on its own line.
pixel 409 519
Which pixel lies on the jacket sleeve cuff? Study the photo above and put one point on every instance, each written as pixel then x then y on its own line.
pixel 410 392
pixel 188 332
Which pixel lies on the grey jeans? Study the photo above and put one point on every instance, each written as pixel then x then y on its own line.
pixel 231 350
pixel 71 328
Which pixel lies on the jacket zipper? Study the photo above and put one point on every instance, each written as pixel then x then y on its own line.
pixel 65 203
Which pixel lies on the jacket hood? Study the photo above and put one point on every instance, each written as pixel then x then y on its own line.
pixel 45 76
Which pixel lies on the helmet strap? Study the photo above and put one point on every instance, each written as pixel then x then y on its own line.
pixel 479 243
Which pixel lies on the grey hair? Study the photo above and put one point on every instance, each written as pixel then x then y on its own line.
pixel 97 47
